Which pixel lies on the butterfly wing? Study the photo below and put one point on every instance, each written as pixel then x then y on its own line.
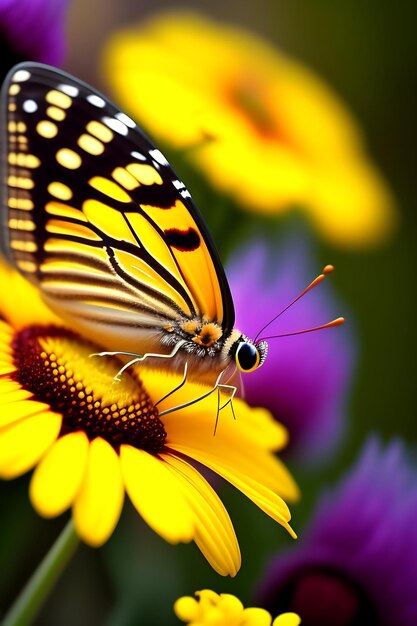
pixel 94 215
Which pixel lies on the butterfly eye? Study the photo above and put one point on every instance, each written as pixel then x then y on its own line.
pixel 247 357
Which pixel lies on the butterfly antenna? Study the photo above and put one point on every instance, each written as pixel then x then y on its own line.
pixel 328 269
pixel 337 322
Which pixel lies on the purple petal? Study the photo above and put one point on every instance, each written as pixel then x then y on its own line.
pixel 34 29
pixel 364 534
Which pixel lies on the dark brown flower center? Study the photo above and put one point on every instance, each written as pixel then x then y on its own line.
pixel 250 98
pixel 324 597
pixel 56 366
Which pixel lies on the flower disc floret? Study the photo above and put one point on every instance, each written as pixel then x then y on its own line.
pixel 209 608
pixel 56 367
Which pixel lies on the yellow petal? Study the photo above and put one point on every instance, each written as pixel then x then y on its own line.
pixel 57 479
pixel 287 619
pixel 231 445
pixel 15 299
pixel 6 331
pixel 214 532
pixel 5 347
pixel 157 495
pixel 186 609
pixel 272 504
pixel 231 607
pixel 6 336
pixel 5 354
pixel 15 411
pixel 99 502
pixel 23 444
pixel 256 617
pixel 373 217
pixel 14 395
pixel 7 385
pixel 259 426
pixel 6 367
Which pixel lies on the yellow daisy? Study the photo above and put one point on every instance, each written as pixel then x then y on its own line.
pixel 90 439
pixel 212 609
pixel 264 128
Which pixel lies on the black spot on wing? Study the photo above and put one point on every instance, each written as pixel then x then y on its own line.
pixel 162 196
pixel 183 240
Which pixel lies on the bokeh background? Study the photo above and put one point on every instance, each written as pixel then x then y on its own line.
pixel 367 53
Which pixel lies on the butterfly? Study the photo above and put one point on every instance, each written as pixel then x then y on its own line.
pixel 95 217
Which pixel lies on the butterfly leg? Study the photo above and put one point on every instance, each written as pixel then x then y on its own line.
pixel 232 391
pixel 225 388
pixel 114 354
pixel 218 412
pixel 139 357
pixel 218 386
pixel 182 383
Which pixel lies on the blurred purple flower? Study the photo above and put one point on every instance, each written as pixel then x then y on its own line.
pixel 305 379
pixel 356 563
pixel 32 30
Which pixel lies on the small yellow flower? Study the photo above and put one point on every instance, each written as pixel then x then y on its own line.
pixel 264 128
pixel 90 439
pixel 212 609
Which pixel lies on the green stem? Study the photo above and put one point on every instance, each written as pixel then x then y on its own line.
pixel 34 594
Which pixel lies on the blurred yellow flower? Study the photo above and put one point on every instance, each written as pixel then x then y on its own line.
pixel 90 440
pixel 264 128
pixel 212 609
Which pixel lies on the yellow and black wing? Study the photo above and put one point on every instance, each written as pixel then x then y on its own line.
pixel 94 215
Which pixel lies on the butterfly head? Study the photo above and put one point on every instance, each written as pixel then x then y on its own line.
pixel 248 355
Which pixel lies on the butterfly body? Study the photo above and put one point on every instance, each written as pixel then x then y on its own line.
pixel 203 343
pixel 95 217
